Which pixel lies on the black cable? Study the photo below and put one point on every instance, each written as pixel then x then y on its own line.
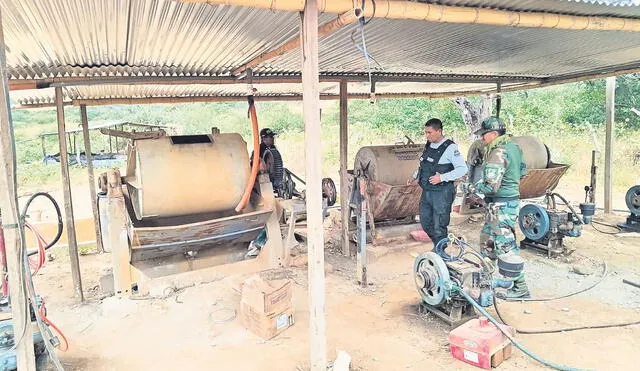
pixel 618 229
pixel 373 2
pixel 566 329
pixel 604 274
pixel 23 215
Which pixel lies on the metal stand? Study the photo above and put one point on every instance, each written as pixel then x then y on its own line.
pixel 552 247
pixel 632 224
pixel 454 315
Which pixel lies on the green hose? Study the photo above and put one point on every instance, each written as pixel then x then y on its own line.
pixel 511 338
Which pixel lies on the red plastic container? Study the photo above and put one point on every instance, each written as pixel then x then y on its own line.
pixel 477 341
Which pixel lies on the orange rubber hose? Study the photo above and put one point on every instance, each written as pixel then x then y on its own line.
pixel 256 158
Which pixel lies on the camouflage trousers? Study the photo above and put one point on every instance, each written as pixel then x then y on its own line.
pixel 497 236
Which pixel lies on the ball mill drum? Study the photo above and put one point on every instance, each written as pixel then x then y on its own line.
pixel 188 174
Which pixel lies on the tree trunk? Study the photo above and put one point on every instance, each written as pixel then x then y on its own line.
pixel 472 115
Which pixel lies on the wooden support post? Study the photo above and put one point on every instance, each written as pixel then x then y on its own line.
pixel 313 173
pixel 13 232
pixel 92 182
pixel 608 149
pixel 344 151
pixel 117 240
pixel 362 261
pixel 68 204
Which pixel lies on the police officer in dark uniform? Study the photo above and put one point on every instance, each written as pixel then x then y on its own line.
pixel 440 164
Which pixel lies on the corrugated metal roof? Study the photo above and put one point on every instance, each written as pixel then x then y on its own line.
pixel 168 38
pixel 409 46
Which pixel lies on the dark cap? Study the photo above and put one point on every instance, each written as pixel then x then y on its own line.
pixel 266 132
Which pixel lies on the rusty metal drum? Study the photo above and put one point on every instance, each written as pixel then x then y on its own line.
pixel 390 164
pixel 188 174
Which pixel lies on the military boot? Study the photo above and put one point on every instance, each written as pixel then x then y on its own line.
pixel 519 290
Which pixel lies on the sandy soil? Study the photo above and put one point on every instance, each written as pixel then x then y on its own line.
pixel 379 326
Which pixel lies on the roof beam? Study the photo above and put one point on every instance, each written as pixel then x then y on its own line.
pixel 65 81
pixel 325 29
pixel 240 98
pixel 448 14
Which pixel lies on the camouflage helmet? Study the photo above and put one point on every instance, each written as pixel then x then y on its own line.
pixel 490 124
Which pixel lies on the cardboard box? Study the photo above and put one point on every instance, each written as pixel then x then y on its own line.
pixel 266 326
pixel 267 297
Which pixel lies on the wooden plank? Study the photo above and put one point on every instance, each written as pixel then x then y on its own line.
pixel 92 181
pixel 68 204
pixel 608 150
pixel 12 231
pixel 344 158
pixel 313 174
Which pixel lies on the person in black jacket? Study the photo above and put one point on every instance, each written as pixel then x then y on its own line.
pixel 440 164
pixel 271 158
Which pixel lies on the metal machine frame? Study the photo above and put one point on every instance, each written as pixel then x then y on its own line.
pixel 137 261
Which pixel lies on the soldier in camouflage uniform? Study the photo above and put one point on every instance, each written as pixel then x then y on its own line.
pixel 502 170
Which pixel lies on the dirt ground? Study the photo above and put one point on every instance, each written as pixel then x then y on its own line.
pixel 197 327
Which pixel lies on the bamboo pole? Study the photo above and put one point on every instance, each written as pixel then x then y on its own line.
pixel 68 204
pixel 92 182
pixel 392 9
pixel 313 173
pixel 330 27
pixel 609 138
pixel 344 151
pixel 13 231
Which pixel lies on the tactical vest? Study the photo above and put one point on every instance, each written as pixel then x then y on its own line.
pixel 429 166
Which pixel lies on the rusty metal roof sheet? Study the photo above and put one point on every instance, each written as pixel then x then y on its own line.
pixel 58 38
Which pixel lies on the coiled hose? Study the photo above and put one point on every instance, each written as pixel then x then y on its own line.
pixel 23 215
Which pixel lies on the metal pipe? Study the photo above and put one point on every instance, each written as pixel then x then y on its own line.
pixel 392 9
pixel 635 284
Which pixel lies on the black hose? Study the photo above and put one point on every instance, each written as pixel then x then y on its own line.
pixel 565 329
pixel 23 215
pixel 604 274
pixel 569 205
pixel 618 229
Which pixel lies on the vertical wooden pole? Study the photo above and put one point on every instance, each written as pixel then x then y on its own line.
pixel 315 233
pixel 608 149
pixel 92 182
pixel 344 151
pixel 68 204
pixel 13 232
